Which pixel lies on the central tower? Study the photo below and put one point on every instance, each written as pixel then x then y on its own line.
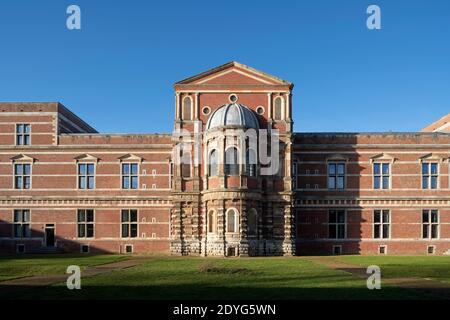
pixel 232 192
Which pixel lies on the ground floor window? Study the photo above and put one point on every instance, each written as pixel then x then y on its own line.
pixel 85 223
pixel 129 223
pixel 381 224
pixel 22 223
pixel 430 224
pixel 337 224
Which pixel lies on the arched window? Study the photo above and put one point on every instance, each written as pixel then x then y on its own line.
pixel 231 220
pixel 186 165
pixel 278 108
pixel 252 222
pixel 186 112
pixel 213 167
pixel 211 222
pixel 250 159
pixel 231 162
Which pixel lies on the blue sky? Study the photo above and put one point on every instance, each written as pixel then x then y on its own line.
pixel 117 72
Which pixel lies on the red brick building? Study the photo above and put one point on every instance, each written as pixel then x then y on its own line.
pixel 233 179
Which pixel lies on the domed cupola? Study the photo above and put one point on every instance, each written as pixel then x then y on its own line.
pixel 233 115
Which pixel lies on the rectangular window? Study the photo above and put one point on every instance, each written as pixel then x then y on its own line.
pixel 381 224
pixel 22 176
pixel 129 221
pixel 429 175
pixel 337 224
pixel 336 175
pixel 86 176
pixel 85 222
pixel 22 223
pixel 129 175
pixel 294 176
pixel 23 134
pixel 430 224
pixel 381 176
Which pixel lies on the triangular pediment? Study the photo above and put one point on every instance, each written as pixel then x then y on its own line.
pixel 337 157
pixel 382 157
pixel 22 158
pixel 86 157
pixel 431 157
pixel 130 157
pixel 233 73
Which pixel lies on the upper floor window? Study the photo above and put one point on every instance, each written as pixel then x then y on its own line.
pixel 381 224
pixel 381 176
pixel 429 175
pixel 232 162
pixel 130 175
pixel 251 163
pixel 85 219
pixel 23 134
pixel 337 224
pixel 186 110
pixel 278 108
pixel 22 176
pixel 336 175
pixel 129 221
pixel 430 224
pixel 213 164
pixel 22 223
pixel 86 176
pixel 186 165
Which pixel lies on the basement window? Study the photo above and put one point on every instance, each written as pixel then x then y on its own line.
pixel 128 248
pixel 337 250
pixel 20 248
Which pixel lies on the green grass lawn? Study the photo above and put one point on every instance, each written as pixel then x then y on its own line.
pixel 166 278
pixel 433 267
pixel 33 265
pixel 241 278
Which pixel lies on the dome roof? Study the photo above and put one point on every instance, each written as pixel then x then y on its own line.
pixel 233 114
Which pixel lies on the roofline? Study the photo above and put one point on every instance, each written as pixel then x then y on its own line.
pixel 119 134
pixel 60 105
pixel 227 65
pixel 372 133
pixel 437 124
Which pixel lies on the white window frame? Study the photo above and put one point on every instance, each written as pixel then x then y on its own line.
pixel 430 224
pixel 236 222
pixel 85 223
pixel 337 224
pixel 336 175
pixel 86 175
pixel 381 175
pixel 21 223
pixel 129 223
pixel 129 175
pixel 429 175
pixel 22 175
pixel 381 223
pixel 23 134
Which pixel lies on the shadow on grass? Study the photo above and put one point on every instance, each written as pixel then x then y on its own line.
pixel 205 292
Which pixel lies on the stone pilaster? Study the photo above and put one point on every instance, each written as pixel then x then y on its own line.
pixel 289 229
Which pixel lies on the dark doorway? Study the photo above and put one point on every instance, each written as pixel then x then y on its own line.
pixel 49 235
